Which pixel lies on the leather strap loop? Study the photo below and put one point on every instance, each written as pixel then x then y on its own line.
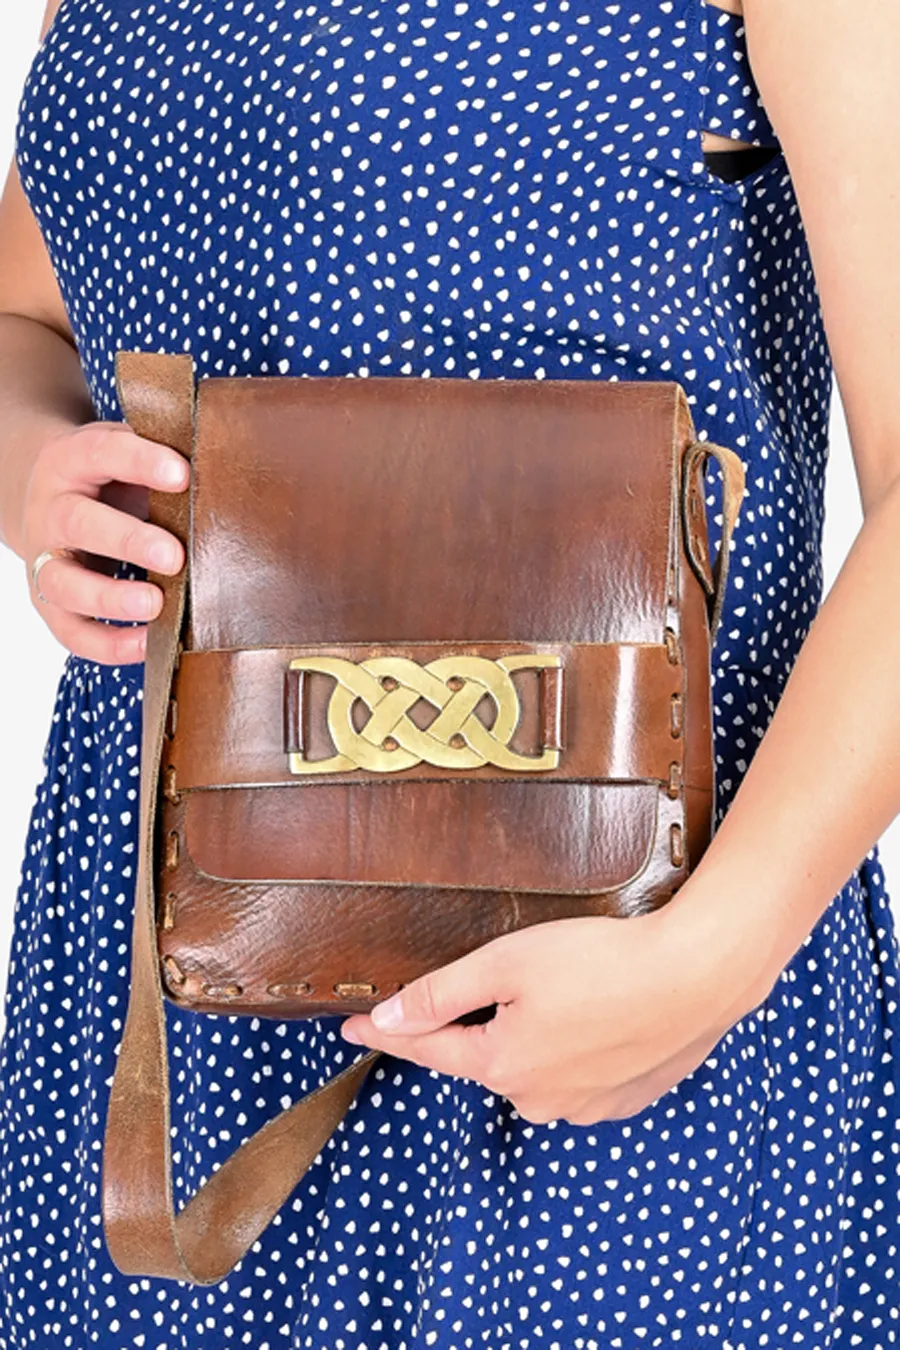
pixel 695 460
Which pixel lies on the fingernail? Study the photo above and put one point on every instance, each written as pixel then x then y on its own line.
pixel 171 473
pixel 388 1014
pixel 162 556
pixel 350 1034
pixel 138 603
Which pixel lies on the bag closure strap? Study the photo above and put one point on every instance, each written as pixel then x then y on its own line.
pixel 212 1232
pixel 281 732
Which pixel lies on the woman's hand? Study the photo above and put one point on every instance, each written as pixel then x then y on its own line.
pixel 88 492
pixel 596 1017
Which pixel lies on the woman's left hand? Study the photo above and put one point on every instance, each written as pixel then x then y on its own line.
pixel 596 1017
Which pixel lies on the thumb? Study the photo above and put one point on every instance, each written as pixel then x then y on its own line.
pixel 441 995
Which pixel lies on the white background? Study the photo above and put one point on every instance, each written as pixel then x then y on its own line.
pixel 31 659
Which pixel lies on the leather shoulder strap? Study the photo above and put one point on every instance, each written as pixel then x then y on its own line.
pixel 217 1226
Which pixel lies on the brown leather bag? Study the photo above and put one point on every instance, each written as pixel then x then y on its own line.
pixel 437 668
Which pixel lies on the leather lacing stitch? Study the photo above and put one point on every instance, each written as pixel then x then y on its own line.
pixel 344 989
pixel 289 990
pixel 173 970
pixel 176 976
pixel 673 786
pixel 676 775
pixel 348 989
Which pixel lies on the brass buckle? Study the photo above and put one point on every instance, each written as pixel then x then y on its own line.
pixel 455 739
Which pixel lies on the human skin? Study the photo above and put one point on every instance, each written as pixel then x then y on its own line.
pixel 596 1017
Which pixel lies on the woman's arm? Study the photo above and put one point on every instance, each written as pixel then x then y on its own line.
pixel 597 1018
pixel 42 392
pixel 42 387
pixel 824 782
pixel 64 475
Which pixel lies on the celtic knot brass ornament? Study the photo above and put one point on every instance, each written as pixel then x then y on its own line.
pixel 455 739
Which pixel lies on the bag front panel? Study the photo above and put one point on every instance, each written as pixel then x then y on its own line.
pixel 408 521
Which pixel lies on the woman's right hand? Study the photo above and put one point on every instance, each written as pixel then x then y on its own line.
pixel 77 476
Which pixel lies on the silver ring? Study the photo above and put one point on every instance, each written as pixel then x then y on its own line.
pixel 38 563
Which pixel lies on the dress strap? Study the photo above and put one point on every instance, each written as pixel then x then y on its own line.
pixel 731 102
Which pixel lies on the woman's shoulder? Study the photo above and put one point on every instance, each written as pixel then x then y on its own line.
pixel 49 15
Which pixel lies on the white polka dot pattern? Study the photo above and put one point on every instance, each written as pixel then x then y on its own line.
pixel 732 105
pixel 486 191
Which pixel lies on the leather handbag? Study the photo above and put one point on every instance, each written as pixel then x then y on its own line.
pixel 437 667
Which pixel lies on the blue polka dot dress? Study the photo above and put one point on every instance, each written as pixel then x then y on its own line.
pixel 482 190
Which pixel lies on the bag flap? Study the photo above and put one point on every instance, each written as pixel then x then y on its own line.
pixel 401 510
pixel 411 520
